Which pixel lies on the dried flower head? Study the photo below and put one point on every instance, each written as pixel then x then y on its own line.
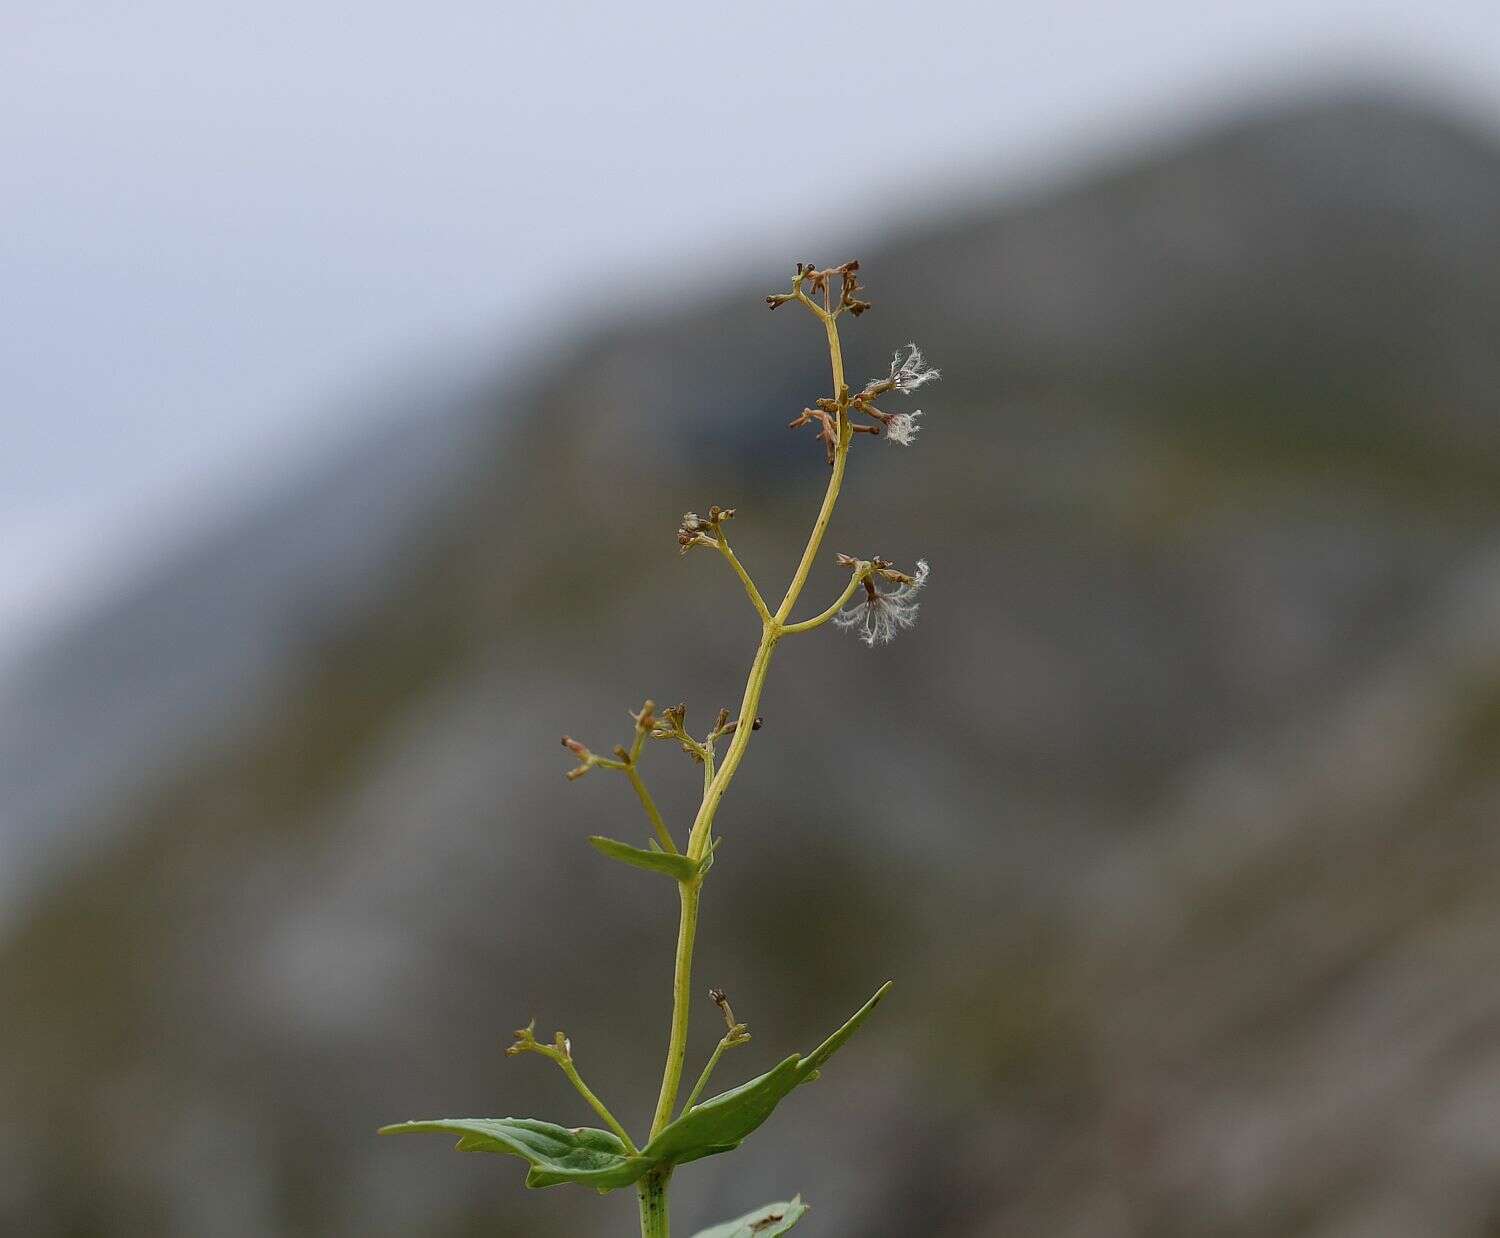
pixel 880 615
pixel 903 428
pixel 696 530
pixel 586 760
pixel 906 375
pixel 911 372
pixel 645 720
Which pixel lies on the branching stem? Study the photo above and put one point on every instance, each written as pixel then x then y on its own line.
pixel 561 1053
pixel 817 621
pixel 772 630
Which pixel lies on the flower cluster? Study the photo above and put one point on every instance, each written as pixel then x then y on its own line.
pixel 673 725
pixel 907 373
pixel 811 282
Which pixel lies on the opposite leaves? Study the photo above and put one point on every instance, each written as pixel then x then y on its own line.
pixel 598 1159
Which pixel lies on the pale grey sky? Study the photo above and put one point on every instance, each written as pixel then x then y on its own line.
pixel 219 220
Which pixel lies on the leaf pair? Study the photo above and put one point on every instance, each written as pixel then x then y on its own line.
pixel 596 1158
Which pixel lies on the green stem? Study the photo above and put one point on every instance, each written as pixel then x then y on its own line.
pixel 825 514
pixel 749 709
pixel 807 625
pixel 704 1077
pixel 663 835
pixel 652 1190
pixel 700 836
pixel 595 1103
pixel 750 590
pixel 682 982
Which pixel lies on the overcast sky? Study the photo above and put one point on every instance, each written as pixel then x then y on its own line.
pixel 220 223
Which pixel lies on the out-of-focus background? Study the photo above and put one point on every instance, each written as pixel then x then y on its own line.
pixel 356 365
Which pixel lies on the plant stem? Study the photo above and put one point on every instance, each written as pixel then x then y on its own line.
pixel 739 570
pixel 663 835
pixel 749 708
pixel 817 621
pixel 595 1103
pixel 840 458
pixel 713 793
pixel 652 1190
pixel 682 982
pixel 704 1077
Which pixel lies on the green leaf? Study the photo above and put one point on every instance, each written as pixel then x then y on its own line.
pixel 834 1043
pixel 708 860
pixel 678 866
pixel 722 1122
pixel 765 1222
pixel 556 1154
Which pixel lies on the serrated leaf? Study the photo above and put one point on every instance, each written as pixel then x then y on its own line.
pixel 722 1122
pixel 764 1222
pixel 556 1154
pixel 678 866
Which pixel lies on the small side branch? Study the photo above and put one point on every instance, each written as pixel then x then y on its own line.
pixel 750 590
pixel 696 530
pixel 627 761
pixel 702 1083
pixel 663 835
pixel 738 1034
pixel 561 1052
pixel 861 572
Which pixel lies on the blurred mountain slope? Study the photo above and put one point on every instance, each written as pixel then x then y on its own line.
pixel 117 694
pixel 1173 819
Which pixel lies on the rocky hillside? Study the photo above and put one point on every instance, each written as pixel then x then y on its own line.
pixel 1174 819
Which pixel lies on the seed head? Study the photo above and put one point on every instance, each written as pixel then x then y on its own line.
pixel 909 373
pixel 880 615
pixel 903 428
